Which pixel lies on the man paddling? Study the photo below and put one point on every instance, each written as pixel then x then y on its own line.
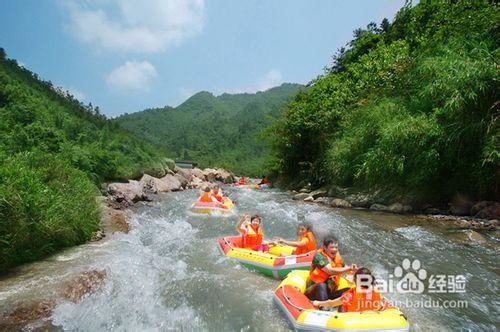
pixel 326 268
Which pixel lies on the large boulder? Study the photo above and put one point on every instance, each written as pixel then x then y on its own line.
pixel 123 195
pixel 198 173
pixel 171 182
pixel 341 203
pixel 156 170
pixel 486 210
pixel 225 176
pixel 379 207
pixel 400 208
pixel 151 185
pixel 184 182
pixel 183 172
pixel 461 209
pixel 210 174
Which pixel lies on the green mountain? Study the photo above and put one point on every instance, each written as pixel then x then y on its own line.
pixel 54 153
pixel 409 108
pixel 217 131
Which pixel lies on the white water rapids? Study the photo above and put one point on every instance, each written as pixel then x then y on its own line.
pixel 167 273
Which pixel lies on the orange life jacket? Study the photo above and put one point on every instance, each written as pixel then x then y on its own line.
pixel 353 301
pixel 317 275
pixel 310 244
pixel 205 197
pixel 252 238
pixel 242 180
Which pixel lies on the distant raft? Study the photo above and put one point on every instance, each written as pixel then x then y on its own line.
pixel 302 315
pixel 251 186
pixel 213 207
pixel 271 264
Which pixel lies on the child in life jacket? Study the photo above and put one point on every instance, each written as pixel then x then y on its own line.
pixel 363 297
pixel 253 237
pixel 306 240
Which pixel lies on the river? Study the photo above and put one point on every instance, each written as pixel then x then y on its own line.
pixel 167 273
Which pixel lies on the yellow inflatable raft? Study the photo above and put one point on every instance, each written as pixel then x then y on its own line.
pixel 302 315
pixel 213 208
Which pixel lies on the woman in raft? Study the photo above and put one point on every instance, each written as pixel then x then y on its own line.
pixel 253 237
pixel 363 297
pixel 306 241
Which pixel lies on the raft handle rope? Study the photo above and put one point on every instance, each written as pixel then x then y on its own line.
pixel 287 299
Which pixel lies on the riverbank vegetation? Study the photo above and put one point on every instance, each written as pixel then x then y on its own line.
pixel 408 108
pixel 54 153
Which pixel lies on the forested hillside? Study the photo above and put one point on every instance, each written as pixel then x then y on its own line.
pixel 224 131
pixel 54 152
pixel 408 107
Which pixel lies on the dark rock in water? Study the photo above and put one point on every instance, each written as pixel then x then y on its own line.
pixel 432 210
pixel 475 236
pixel 400 208
pixel 85 283
pixel 487 210
pixel 462 209
pixel 379 207
pixel 341 203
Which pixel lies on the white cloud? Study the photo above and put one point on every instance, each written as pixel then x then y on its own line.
pixel 271 79
pixel 134 26
pixel 76 93
pixel 133 75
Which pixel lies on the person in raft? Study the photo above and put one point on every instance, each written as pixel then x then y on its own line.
pixel 253 238
pixel 241 180
pixel 207 196
pixel 326 268
pixel 363 297
pixel 217 194
pixel 306 240
pixel 264 180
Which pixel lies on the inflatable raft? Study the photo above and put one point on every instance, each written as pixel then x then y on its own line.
pixel 248 186
pixel 302 315
pixel 212 207
pixel 271 264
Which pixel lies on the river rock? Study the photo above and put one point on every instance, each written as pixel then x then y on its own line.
pixel 341 203
pixel 319 193
pixel 198 173
pixel 304 191
pixel 185 173
pixel 379 207
pixel 400 208
pixel 324 200
pixel 336 191
pixel 309 199
pixel 486 210
pixel 85 283
pixel 184 182
pixel 359 200
pixel 433 210
pixel 156 170
pixel 300 196
pixel 124 195
pixel 169 164
pixel 171 182
pixel 461 209
pixel 152 185
pixel 475 236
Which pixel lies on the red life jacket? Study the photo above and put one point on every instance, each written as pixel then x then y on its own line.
pixel 353 301
pixel 309 246
pixel 242 180
pixel 252 238
pixel 317 275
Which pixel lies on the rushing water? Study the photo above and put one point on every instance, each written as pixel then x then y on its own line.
pixel 168 274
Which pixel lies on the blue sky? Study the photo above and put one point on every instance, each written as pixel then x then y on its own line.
pixel 128 55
